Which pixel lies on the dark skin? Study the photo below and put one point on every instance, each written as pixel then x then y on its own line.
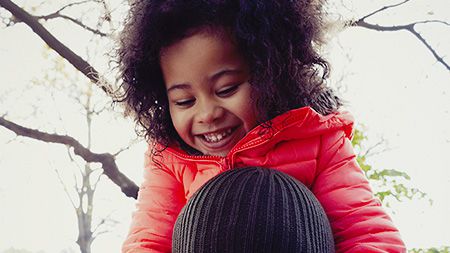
pixel 278 41
pixel 210 98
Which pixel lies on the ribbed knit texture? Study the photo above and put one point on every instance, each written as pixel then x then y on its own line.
pixel 252 210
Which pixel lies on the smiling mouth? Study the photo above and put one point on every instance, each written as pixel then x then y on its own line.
pixel 217 136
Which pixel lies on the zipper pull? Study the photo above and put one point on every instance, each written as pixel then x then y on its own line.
pixel 225 163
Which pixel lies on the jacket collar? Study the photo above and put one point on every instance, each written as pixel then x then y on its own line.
pixel 303 122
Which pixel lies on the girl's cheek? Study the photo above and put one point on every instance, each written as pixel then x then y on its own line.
pixel 181 120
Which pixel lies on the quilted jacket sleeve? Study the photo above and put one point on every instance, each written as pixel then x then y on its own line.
pixel 160 199
pixel 358 221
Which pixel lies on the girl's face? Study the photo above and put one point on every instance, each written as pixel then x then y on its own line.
pixel 210 99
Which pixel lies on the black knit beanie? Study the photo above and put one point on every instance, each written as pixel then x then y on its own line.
pixel 252 210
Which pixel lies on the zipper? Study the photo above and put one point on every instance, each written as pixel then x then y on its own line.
pixel 222 162
pixel 252 144
pixel 204 158
pixel 228 161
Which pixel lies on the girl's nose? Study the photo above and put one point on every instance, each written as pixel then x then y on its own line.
pixel 210 113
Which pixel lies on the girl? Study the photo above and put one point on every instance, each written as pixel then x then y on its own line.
pixel 223 84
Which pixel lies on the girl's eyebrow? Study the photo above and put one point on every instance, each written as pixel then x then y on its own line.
pixel 227 71
pixel 181 86
pixel 215 76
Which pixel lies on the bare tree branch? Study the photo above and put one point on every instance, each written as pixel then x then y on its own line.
pixel 369 151
pixel 430 48
pixel 131 143
pixel 383 9
pixel 75 21
pixel 107 16
pixel 57 14
pixel 94 185
pixel 76 164
pixel 99 111
pixel 65 189
pixel 99 233
pixel 433 21
pixel 72 4
pixel 110 169
pixel 74 59
pixel 411 28
pixel 102 222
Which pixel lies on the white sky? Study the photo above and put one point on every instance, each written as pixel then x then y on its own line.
pixel 393 85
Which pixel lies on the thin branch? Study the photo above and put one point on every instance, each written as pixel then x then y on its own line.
pixel 99 111
pixel 99 225
pixel 409 28
pixel 131 143
pixel 384 8
pixel 370 149
pixel 74 59
pixel 12 140
pixel 430 48
pixel 378 152
pixel 52 95
pixel 110 169
pixel 77 98
pixel 73 20
pixel 65 189
pixel 72 4
pixel 94 186
pixel 107 15
pixel 57 14
pixel 94 236
pixel 433 21
pixel 104 222
pixel 76 164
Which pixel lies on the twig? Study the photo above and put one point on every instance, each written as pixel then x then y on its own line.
pixel 76 164
pixel 72 4
pixel 370 149
pixel 131 143
pixel 103 221
pixel 94 186
pixel 409 28
pixel 383 9
pixel 57 14
pixel 99 233
pixel 13 139
pixel 432 21
pixel 422 39
pixel 73 20
pixel 65 189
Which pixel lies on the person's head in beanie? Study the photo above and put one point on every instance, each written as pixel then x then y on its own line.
pixel 252 210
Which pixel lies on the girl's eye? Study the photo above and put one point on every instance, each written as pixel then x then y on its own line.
pixel 227 91
pixel 184 102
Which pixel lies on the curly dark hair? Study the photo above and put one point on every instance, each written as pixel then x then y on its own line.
pixel 279 39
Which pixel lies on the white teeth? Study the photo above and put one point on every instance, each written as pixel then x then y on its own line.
pixel 216 137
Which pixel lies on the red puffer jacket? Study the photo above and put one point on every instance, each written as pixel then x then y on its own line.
pixel 312 148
